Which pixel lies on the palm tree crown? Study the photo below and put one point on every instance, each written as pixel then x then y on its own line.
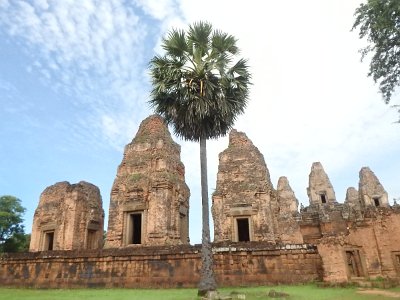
pixel 198 87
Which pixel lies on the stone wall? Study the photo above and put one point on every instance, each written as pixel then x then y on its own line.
pixel 369 249
pixel 157 267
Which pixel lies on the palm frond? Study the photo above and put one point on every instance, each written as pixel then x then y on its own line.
pixel 175 43
pixel 223 42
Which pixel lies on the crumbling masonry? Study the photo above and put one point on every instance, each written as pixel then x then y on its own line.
pixel 68 217
pixel 149 199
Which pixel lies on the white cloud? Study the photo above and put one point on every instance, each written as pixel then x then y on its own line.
pixel 92 50
pixel 160 10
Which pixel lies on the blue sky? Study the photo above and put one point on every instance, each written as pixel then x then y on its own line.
pixel 74 87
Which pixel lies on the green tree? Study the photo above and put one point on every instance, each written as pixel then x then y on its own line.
pixel 200 87
pixel 379 22
pixel 18 242
pixel 11 229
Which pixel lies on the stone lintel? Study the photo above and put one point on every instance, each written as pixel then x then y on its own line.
pixel 48 226
pixel 134 206
pixel 237 211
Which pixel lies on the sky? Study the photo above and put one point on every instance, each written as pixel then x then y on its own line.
pixel 74 87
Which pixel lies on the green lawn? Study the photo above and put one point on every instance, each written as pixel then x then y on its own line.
pixel 306 292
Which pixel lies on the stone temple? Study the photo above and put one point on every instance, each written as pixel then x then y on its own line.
pixel 260 234
pixel 246 207
pixel 68 217
pixel 149 199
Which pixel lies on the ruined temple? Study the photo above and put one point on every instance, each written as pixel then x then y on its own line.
pixel 357 239
pixel 245 206
pixel 149 198
pixel 68 217
pixel 260 234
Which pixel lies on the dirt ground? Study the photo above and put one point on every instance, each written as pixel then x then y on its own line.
pixel 379 292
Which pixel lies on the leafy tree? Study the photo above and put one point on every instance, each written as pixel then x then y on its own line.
pixel 11 229
pixel 200 88
pixel 18 242
pixel 379 22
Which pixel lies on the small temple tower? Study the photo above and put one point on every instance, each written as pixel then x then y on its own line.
pixel 149 202
pixel 352 198
pixel 68 217
pixel 244 200
pixel 320 189
pixel 371 191
pixel 288 229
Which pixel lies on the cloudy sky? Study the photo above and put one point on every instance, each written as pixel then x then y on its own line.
pixel 74 88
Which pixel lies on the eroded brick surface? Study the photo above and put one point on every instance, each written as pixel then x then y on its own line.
pixel 161 266
pixel 68 217
pixel 245 204
pixel 149 191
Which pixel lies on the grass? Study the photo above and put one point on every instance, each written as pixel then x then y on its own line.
pixel 306 292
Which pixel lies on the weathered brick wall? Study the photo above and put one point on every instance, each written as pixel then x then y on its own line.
pixel 378 242
pixel 156 267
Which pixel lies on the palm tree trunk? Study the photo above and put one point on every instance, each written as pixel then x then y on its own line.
pixel 207 279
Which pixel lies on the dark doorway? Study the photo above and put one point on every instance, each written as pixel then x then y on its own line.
pixel 136 222
pixel 376 202
pixel 323 198
pixel 48 241
pixel 243 230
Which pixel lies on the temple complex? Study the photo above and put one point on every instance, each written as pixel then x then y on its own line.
pixel 260 233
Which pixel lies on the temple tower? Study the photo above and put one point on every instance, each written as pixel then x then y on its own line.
pixel 288 229
pixel 371 191
pixel 244 200
pixel 68 217
pixel 149 202
pixel 320 189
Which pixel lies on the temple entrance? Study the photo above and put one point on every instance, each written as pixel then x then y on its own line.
pixel 48 242
pixel 243 230
pixel 354 266
pixel 323 198
pixel 135 236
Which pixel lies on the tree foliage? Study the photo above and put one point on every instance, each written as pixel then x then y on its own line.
pixel 379 22
pixel 198 87
pixel 11 229
pixel 18 242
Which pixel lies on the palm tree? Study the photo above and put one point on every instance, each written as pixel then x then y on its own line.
pixel 199 88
